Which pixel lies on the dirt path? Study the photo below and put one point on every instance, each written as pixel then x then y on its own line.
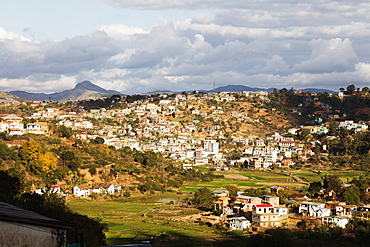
pixel 237 177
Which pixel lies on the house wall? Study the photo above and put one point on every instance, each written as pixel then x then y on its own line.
pixel 17 234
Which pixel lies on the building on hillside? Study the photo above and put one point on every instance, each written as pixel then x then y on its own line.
pixel 221 193
pixel 187 166
pixel 273 200
pixel 35 128
pixel 346 210
pixel 108 188
pixel 266 215
pixel 276 189
pixel 333 221
pixel 16 128
pixel 244 204
pixel 222 205
pixel 211 146
pixel 239 223
pixel 314 209
pixel 81 190
pixel 19 227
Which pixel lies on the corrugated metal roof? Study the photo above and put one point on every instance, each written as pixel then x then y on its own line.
pixel 14 214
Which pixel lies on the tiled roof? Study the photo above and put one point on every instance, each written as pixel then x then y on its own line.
pixel 263 205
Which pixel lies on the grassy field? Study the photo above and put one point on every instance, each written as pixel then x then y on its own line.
pixel 136 219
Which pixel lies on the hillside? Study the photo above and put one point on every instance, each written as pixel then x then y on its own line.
pixel 10 98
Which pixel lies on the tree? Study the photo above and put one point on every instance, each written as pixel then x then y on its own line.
pixel 352 195
pixel 333 182
pixel 233 191
pixel 203 198
pixel 71 159
pixel 97 140
pixel 44 163
pixel 30 151
pixel 255 192
pixel 304 134
pixel 11 185
pixel 127 194
pixel 64 131
pixel 315 187
pixel 351 89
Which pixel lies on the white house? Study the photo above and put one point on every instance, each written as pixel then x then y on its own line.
pixel 35 128
pixel 81 190
pixel 4 126
pixel 117 188
pixel 108 188
pixel 314 209
pixel 239 223
pixel 16 128
pixel 97 189
pixel 211 146
pixel 220 193
pixel 187 166
pixel 265 215
pixel 346 210
pixel 340 221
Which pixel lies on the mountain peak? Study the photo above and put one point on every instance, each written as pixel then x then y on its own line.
pixel 88 85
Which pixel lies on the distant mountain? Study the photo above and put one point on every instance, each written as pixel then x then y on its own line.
pixel 242 88
pixel 83 91
pixel 92 87
pixel 10 98
pixel 238 88
pixel 318 90
pixel 30 96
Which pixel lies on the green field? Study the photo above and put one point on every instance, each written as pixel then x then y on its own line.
pixel 266 179
pixel 137 219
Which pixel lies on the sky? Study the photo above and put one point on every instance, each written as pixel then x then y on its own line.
pixel 139 46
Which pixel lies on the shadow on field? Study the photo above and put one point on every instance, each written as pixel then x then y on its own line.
pixel 173 238
pixel 272 238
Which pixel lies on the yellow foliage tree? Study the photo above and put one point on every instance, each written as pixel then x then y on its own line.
pixel 33 155
pixel 46 162
pixel 30 151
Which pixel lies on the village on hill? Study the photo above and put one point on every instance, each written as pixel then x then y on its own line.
pixel 218 132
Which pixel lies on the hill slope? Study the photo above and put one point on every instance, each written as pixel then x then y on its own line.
pixel 10 98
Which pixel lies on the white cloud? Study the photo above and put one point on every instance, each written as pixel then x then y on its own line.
pixel 120 32
pixel 256 43
pixel 329 56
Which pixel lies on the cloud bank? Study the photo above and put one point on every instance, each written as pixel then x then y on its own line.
pixel 260 43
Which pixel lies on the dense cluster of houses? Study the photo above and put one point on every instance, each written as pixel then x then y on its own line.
pixel 13 125
pixel 258 213
pixel 150 126
pixel 247 211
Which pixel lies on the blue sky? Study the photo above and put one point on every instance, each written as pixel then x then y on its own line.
pixel 145 45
